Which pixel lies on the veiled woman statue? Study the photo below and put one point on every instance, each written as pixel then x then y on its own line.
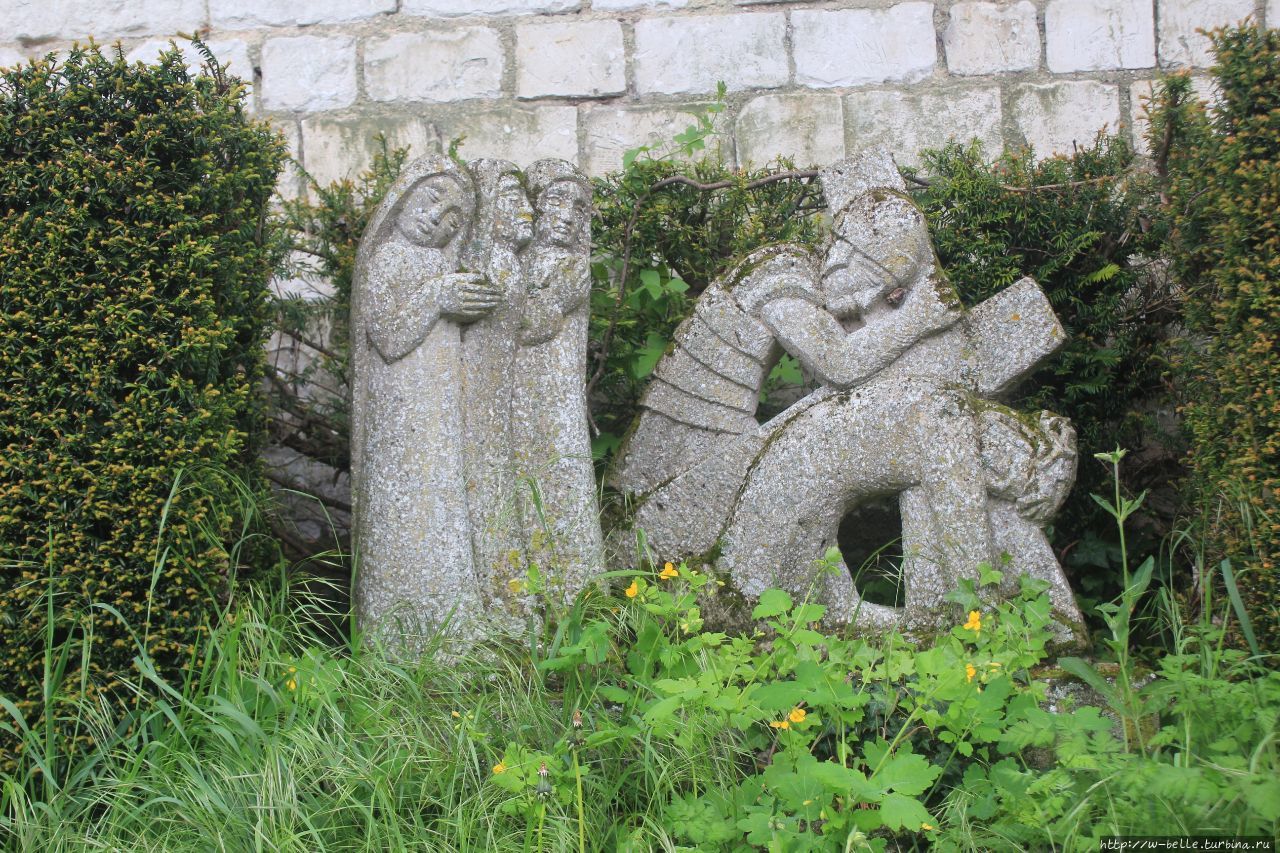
pixel 410 300
pixel 552 445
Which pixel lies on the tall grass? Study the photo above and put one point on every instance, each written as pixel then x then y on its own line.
pixel 277 743
pixel 280 737
pixel 276 737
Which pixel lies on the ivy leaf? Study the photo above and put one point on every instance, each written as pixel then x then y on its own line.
pixel 651 284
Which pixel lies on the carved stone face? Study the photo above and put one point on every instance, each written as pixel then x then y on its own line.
pixel 435 211
pixel 564 215
pixel 852 282
pixel 866 262
pixel 513 215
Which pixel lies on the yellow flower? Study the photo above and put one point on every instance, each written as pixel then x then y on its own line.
pixel 499 768
pixel 927 827
pixel 779 724
pixel 668 572
pixel 797 715
pixel 291 684
pixel 454 714
pixel 969 672
pixel 975 622
pixel 633 590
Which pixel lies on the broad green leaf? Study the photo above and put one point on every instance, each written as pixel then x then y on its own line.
pixel 778 695
pixel 647 357
pixel 662 710
pixel 902 812
pixel 906 773
pixel 773 602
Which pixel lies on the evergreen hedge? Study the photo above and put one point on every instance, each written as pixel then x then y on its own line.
pixel 1223 168
pixel 134 256
pixel 1080 226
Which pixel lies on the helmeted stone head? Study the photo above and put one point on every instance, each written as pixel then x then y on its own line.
pixel 880 241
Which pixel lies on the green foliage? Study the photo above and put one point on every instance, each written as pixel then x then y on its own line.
pixel 134 256
pixel 310 405
pixel 1191 751
pixel 1078 225
pixel 624 725
pixel 1223 169
pixel 837 741
pixel 1211 768
pixel 676 224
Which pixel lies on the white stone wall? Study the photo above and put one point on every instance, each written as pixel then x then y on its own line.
pixel 588 79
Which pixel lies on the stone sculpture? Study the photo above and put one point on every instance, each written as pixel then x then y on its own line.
pixel 504 229
pixel 460 295
pixel 904 409
pixel 470 451
pixel 549 407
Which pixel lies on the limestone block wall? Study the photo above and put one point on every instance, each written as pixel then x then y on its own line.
pixel 588 79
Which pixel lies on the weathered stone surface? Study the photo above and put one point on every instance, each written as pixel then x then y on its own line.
pixel 334 149
pixel 986 38
pixel 44 20
pixel 691 54
pixel 1096 35
pixel 469 447
pixel 570 58
pixel 629 5
pixel 804 128
pixel 551 446
pixel 10 57
pixel 908 122
pixel 410 300
pixel 1180 44
pixel 244 14
pixel 434 65
pixel 308 73
pixel 342 148
pixel 455 8
pixel 904 412
pixel 1054 116
pixel 516 134
pixel 289 184
pixel 611 132
pixel 853 47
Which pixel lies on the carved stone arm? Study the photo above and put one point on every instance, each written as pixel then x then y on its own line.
pixel 846 359
pixel 567 290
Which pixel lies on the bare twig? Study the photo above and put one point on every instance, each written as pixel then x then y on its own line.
pixel 307 342
pixel 1062 186
pixel 285 483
